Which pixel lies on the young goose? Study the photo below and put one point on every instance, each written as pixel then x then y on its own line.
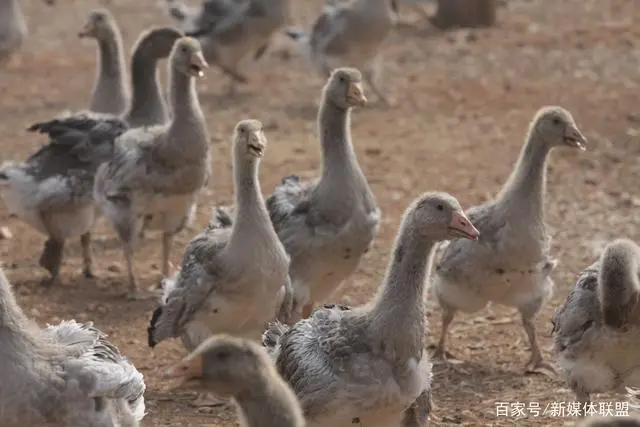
pixel 230 30
pixel 241 369
pixel 64 375
pixel 350 34
pixel 326 225
pixel 52 190
pixel 13 28
pixel 597 330
pixel 511 264
pixel 110 93
pixel 234 276
pixel 157 172
pixel 367 364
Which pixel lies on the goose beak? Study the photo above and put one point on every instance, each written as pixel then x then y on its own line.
pixel 355 95
pixel 256 146
pixel 197 65
pixel 86 31
pixel 461 227
pixel 574 138
pixel 187 369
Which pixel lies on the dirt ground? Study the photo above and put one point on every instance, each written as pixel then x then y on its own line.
pixel 463 102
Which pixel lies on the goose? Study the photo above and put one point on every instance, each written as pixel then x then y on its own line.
pixel 511 265
pixel 234 276
pixel 596 330
pixel 64 375
pixel 52 190
pixel 231 30
pixel 349 34
pixel 367 365
pixel 157 172
pixel 110 93
pixel 326 225
pixel 13 28
pixel 242 369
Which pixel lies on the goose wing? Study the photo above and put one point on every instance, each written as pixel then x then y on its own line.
pixel 186 292
pixel 98 366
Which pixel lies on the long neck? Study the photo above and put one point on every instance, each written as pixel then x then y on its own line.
pixel 110 57
pixel 187 132
pixel 340 170
pixel 251 221
pixel 183 98
pixel 399 305
pixel 526 186
pixel 146 99
pixel 618 281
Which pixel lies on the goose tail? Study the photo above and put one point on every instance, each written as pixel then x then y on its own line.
pixel 151 329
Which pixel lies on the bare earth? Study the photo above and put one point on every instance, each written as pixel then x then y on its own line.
pixel 464 100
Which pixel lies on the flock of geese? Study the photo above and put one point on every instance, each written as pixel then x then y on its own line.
pixel 249 301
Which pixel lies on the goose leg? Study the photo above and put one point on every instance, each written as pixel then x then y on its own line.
pixel 87 255
pixel 373 76
pixel 417 414
pixel 51 260
pixel 167 243
pixel 129 235
pixel 535 364
pixel 448 313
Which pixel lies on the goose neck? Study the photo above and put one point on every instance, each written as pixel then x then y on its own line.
pixel 338 157
pixel 110 57
pixel 526 185
pixel 251 216
pixel 399 305
pixel 145 85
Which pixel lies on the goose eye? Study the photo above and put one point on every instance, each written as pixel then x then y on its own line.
pixel 556 121
pixel 440 207
pixel 342 79
pixel 184 49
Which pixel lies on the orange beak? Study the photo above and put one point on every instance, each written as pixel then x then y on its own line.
pixel 86 30
pixel 461 227
pixel 187 369
pixel 574 138
pixel 198 65
pixel 355 95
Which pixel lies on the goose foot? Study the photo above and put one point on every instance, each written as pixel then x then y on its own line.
pixel 205 401
pixel 540 367
pixel 138 295
pixel 87 272
pixel 47 282
pixel 440 356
